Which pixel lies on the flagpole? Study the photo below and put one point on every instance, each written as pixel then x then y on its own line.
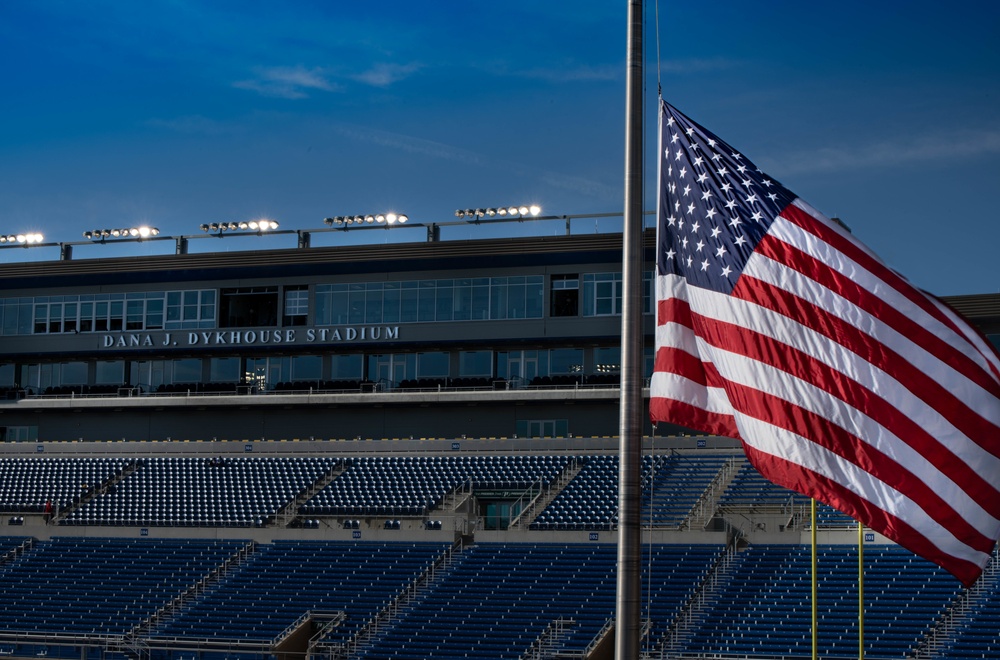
pixel 861 590
pixel 815 618
pixel 629 579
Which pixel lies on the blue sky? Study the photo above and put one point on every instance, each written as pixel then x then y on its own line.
pixel 177 113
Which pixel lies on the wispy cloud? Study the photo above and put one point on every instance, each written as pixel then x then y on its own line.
pixel 942 147
pixel 410 144
pixel 383 75
pixel 288 82
pixel 439 150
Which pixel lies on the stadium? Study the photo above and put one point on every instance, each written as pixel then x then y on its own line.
pixel 397 451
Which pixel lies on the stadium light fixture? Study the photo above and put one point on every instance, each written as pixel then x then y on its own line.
pixel 369 220
pixel 257 226
pixel 509 212
pixel 25 239
pixel 134 233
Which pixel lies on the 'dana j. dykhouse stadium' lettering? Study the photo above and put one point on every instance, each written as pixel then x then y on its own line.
pixel 249 337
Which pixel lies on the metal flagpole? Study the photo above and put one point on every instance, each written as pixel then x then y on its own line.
pixel 815 618
pixel 629 579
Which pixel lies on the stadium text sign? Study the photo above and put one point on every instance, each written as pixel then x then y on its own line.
pixel 286 336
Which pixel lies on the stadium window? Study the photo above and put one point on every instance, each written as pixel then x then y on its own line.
pixel 116 319
pixel 409 302
pixel 307 367
pixel 38 377
pixel 73 373
pixel 432 365
pixel 356 297
pixel 475 363
pixel 391 299
pixel 224 370
pixel 373 302
pixel 41 318
pixel 149 374
pixel 6 375
pixel 135 314
pixel 565 361
pixel 462 300
pixel 247 307
pixel 390 369
pixel 564 298
pixel 296 305
pixel 347 367
pixel 69 317
pixel 185 370
pixel 427 300
pixel 519 366
pixel 608 360
pixel 154 314
pixel 602 294
pixel 109 372
pixel 86 316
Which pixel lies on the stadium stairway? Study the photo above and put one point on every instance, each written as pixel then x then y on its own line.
pixel 101 489
pixel 290 512
pixel 704 510
pixel 567 475
pixel 135 639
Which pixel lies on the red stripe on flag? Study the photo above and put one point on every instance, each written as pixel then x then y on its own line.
pixel 667 410
pixel 780 413
pixel 797 478
pixel 779 355
pixel 682 363
pixel 926 388
pixel 844 286
pixel 853 250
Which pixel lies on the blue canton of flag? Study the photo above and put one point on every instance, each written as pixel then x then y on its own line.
pixel 717 205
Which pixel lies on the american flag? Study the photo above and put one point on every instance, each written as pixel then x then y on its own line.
pixel 844 382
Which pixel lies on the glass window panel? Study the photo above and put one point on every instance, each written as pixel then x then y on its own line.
pixel 186 370
pixel 24 318
pixel 432 365
pixel 475 363
pixel 427 301
pixel 154 314
pixel 409 304
pixel 224 370
pixel 69 317
pixel 515 301
pixel 463 300
pixel 347 367
pixel 41 318
pixel 356 306
pixel 444 307
pixel 391 298
pixel 307 367
pixel 373 305
pixel 533 299
pixel 607 360
pixel 323 310
pixel 117 315
pixel 565 361
pixel 109 372
pixel 134 313
pixel 73 373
